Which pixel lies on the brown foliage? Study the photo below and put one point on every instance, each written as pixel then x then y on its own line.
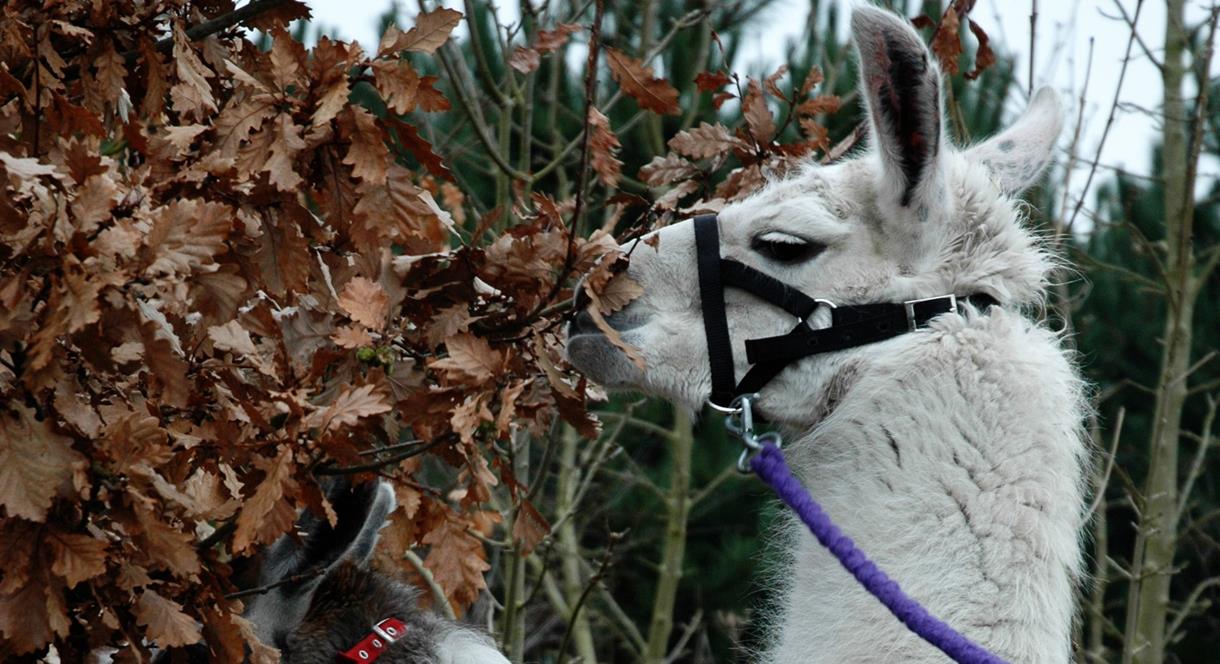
pixel 200 310
pixel 696 156
pixel 947 42
pixel 637 79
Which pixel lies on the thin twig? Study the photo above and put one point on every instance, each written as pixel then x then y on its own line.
pixel 1199 364
pixel 222 531
pixel 1203 75
pixel 594 580
pixel 480 59
pixel 211 27
pixel 1196 465
pixel 1118 88
pixel 603 454
pixel 438 593
pixel 692 18
pixel 642 425
pixel 1131 25
pixel 1204 387
pixel 1135 277
pixel 378 465
pixel 1110 457
pixel 687 633
pixel 405 445
pixel 295 578
pixel 1189 605
pixel 1033 34
pixel 729 472
pixel 582 178
pixel 479 127
pixel 1210 258
pixel 582 175
pixel 1073 148
pixel 844 146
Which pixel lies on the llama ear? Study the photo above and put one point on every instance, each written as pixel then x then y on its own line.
pixel 901 86
pixel 294 565
pixel 1017 156
pixel 360 512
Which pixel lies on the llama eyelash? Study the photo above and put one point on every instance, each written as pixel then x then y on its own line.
pixel 781 237
pixel 783 247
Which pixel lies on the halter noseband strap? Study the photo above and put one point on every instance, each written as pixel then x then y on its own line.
pixel 851 325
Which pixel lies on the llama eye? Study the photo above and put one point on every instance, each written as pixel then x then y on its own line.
pixel 785 248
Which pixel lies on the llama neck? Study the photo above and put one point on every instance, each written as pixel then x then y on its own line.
pixel 957 469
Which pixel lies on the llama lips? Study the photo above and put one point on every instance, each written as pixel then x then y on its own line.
pixel 583 323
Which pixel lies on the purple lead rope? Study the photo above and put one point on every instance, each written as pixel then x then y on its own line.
pixel 770 465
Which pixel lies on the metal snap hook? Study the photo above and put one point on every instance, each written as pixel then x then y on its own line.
pixel 754 445
pixel 740 422
pixel 741 425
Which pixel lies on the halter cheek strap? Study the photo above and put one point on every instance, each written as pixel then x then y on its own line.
pixel 715 321
pixel 851 325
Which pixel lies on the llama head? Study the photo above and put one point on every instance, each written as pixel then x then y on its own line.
pixel 912 217
pixel 313 552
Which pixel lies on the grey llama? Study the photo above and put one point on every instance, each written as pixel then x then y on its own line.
pixel 332 598
pixel 953 455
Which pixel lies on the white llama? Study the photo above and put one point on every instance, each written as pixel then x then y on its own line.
pixel 952 455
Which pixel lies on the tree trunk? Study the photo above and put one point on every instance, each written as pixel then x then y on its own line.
pixel 673 550
pixel 569 547
pixel 1156 541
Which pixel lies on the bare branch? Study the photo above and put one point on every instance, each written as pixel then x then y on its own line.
pixel 295 578
pixel 1196 465
pixel 394 459
pixel 1118 88
pixel 1033 40
pixel 687 633
pixel 1210 258
pixel 594 580
pixel 1126 18
pixel 1189 605
pixel 1105 477
pixel 438 593
pixel 1122 271
pixel 1194 367
pixel 1073 153
pixel 844 146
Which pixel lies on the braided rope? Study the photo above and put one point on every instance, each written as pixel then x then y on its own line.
pixel 769 464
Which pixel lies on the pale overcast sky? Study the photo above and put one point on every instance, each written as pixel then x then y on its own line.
pixel 1063 31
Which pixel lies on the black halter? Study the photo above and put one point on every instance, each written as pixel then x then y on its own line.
pixel 851 325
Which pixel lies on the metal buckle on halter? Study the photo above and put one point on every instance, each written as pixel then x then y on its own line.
pixel 909 306
pixel 385 635
pixel 740 423
pixel 817 300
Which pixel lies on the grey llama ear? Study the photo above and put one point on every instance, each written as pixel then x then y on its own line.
pixel 900 82
pixel 361 511
pixel 1017 156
